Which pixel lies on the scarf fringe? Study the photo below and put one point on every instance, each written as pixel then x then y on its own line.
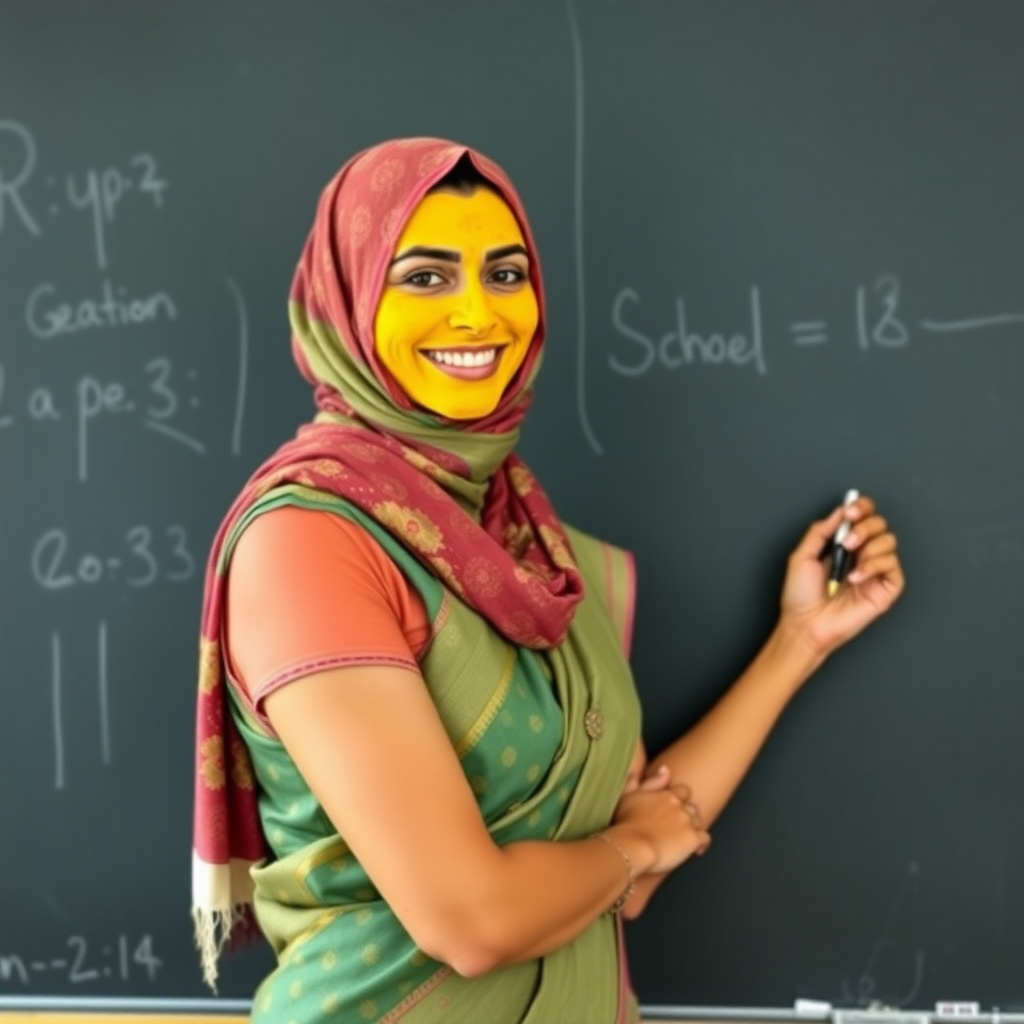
pixel 213 931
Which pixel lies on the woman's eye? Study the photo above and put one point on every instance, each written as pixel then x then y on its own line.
pixel 424 279
pixel 508 275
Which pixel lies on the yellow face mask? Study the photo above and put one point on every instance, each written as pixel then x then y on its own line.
pixel 458 311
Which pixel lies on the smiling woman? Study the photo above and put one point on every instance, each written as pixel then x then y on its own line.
pixel 419 770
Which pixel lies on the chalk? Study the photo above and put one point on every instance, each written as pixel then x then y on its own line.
pixel 812 1008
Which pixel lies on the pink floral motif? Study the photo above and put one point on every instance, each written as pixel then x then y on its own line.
pixel 364 452
pixel 358 226
pixel 430 162
pixel 483 577
pixel 386 175
pixel 390 485
pixel 389 226
pixel 523 623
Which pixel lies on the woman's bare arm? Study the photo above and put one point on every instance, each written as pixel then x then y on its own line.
pixel 370 744
pixel 712 758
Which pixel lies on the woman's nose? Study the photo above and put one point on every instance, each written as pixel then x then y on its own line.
pixel 472 310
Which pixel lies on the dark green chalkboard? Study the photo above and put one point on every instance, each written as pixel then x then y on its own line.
pixel 784 249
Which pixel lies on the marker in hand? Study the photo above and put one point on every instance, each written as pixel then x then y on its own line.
pixel 841 558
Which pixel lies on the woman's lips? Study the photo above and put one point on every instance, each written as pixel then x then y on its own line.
pixel 476 363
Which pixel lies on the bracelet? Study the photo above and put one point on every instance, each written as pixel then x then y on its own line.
pixel 631 884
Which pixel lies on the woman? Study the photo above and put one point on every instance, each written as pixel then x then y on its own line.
pixel 419 758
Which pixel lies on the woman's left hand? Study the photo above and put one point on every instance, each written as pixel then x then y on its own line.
pixel 869 590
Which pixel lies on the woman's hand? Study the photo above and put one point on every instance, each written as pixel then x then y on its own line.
pixel 662 816
pixel 873 585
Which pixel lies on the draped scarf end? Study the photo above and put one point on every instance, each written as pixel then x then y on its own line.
pixel 215 929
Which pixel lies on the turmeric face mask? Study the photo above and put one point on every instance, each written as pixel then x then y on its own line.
pixel 458 311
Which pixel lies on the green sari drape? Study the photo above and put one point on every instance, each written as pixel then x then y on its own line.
pixel 545 739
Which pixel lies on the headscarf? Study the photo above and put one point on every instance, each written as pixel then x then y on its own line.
pixel 453 493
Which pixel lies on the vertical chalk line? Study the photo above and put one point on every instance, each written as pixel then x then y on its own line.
pixel 581 299
pixel 243 365
pixel 58 714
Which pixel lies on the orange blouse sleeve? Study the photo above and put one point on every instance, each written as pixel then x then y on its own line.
pixel 308 590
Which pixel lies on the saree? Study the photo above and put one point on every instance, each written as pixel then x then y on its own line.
pixel 527 626
pixel 545 748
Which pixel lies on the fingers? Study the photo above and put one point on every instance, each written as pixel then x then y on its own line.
pixel 691 808
pixel 875 546
pixel 865 525
pixel 885 570
pixel 859 509
pixel 669 819
pixel 702 838
pixel 660 778
pixel 865 531
pixel 820 532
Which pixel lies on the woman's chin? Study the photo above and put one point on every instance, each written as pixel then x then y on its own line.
pixel 465 403
pixel 464 412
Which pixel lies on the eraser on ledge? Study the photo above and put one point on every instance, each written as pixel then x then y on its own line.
pixel 812 1008
pixel 957 1008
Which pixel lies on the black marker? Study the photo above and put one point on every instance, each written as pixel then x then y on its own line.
pixel 841 558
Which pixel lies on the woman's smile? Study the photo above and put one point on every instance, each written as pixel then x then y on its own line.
pixel 476 363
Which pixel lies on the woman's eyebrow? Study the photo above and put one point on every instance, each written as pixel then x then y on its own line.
pixel 507 250
pixel 448 255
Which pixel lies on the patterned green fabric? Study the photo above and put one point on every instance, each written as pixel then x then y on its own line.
pixel 515 717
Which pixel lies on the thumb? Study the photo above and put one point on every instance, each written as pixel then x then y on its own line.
pixel 658 779
pixel 818 534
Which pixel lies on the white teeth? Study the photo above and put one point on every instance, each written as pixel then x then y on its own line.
pixel 481 357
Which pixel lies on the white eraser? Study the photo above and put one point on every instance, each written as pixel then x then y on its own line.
pixel 957 1008
pixel 812 1008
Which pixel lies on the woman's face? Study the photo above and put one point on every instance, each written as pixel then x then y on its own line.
pixel 458 311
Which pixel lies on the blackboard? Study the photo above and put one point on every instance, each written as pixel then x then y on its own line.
pixel 784 252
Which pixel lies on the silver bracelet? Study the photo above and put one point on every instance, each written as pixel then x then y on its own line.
pixel 631 884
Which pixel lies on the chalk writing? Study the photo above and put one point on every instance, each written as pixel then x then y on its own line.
pixel 579 150
pixel 886 329
pixel 243 365
pixel 46 316
pixel 20 139
pixel 155 396
pixel 878 325
pixel 97 192
pixel 78 961
pixel 57 701
pixel 140 561
pixel 683 346
pixel 867 989
pixel 57 704
pixel 811 332
pixel 81 380
pixel 100 192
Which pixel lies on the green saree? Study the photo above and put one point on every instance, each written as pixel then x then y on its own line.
pixel 545 739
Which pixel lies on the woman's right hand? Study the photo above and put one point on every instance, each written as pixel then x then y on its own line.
pixel 664 818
